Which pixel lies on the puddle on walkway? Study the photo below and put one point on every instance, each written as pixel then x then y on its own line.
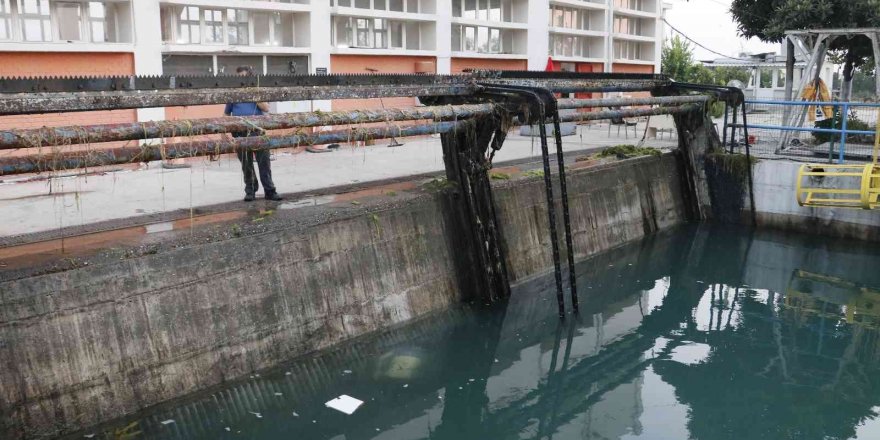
pixel 700 334
pixel 310 201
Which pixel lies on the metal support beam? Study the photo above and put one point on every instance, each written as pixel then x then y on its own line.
pixel 33 103
pixel 568 104
pixel 59 136
pixel 148 153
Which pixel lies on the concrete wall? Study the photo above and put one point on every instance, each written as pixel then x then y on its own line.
pixel 91 344
pixel 609 205
pixel 777 207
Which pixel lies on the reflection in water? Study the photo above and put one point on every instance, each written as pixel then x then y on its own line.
pixel 698 333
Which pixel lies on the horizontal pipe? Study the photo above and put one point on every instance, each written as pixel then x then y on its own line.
pixel 148 153
pixel 33 103
pixel 60 136
pixel 628 113
pixel 565 104
pixel 819 103
pixel 807 129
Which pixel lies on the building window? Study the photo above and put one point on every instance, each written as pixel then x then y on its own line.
pixel 570 46
pixel 267 28
pixel 35 20
pixel 480 39
pixel 486 10
pixel 5 20
pixel 69 18
pixel 213 26
pixel 627 50
pixel 237 20
pixel 375 33
pixel 101 23
pixel 410 6
pixel 627 25
pixel 188 29
pixel 395 28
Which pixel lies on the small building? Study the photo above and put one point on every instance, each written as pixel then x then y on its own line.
pixel 768 72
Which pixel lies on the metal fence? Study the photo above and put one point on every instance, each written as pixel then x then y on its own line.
pixel 807 130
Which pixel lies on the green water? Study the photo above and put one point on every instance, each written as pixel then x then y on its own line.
pixel 692 334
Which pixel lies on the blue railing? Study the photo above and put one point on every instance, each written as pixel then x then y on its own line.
pixel 843 131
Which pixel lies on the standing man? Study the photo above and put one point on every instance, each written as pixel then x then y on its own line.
pixel 247 158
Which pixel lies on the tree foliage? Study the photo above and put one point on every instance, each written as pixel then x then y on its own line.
pixel 769 19
pixel 677 61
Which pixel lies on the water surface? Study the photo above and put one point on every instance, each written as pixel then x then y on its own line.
pixel 698 333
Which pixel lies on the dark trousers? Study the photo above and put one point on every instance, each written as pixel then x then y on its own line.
pixel 261 157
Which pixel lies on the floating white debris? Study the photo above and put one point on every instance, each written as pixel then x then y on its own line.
pixel 471 380
pixel 314 421
pixel 295 414
pixel 259 416
pixel 377 429
pixel 278 394
pixel 228 429
pixel 346 372
pixel 92 435
pixel 167 422
pixel 496 361
pixel 406 385
pixel 345 404
pixel 288 373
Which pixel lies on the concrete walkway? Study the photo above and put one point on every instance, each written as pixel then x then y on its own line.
pixel 37 205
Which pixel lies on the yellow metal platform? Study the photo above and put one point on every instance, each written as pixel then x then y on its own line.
pixel 841 186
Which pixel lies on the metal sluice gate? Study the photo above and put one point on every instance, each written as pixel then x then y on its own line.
pixel 472 113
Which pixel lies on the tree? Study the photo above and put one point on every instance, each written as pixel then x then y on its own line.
pixel 724 75
pixel 677 59
pixel 769 19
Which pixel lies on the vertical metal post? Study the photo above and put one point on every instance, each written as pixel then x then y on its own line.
pixel 834 110
pixel 733 131
pixel 551 213
pixel 749 166
pixel 566 218
pixel 724 135
pixel 843 125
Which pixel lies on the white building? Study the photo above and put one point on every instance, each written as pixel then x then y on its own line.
pixel 151 37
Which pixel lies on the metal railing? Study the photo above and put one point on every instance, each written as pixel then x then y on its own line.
pixel 846 128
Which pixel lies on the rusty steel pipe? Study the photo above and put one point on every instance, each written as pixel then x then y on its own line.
pixel 629 113
pixel 567 104
pixel 33 103
pixel 59 136
pixel 147 153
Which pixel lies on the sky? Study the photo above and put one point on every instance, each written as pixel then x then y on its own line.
pixel 710 23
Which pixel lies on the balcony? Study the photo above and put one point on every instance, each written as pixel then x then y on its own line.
pixel 67 26
pixel 511 14
pixel 488 41
pixel 367 35
pixel 193 29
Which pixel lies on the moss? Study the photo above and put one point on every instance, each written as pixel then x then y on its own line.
pixel 627 152
pixel 728 176
pixel 499 176
pixel 534 173
pixel 438 184
pixel 736 165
